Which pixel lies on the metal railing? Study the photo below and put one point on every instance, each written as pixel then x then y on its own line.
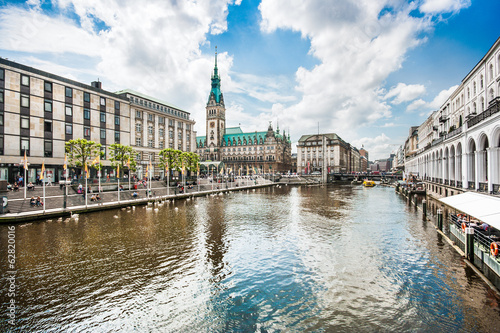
pixel 484 238
pixel 492 109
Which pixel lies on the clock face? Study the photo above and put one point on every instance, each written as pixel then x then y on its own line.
pixel 212 124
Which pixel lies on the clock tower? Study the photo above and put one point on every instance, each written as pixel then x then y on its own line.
pixel 216 117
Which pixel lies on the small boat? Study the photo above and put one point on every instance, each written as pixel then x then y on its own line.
pixel 368 183
pixel 356 181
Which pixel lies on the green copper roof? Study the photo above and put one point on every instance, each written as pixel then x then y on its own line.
pixel 215 82
pixel 233 130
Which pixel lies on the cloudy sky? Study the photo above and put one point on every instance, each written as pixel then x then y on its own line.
pixel 364 69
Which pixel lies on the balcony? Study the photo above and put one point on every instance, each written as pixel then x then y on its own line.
pixel 443 119
pixel 435 128
pixel 494 107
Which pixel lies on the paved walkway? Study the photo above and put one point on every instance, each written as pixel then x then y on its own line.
pixel 18 207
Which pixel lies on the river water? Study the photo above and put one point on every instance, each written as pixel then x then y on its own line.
pixel 289 259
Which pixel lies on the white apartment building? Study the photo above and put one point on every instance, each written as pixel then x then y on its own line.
pixel 459 145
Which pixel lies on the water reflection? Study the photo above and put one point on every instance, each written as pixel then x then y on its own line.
pixel 338 258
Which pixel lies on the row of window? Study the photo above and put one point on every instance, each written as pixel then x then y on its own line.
pixel 159 107
pixel 68 92
pixel 161 120
pixel 47 147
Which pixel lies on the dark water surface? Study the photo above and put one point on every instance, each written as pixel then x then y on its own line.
pixel 307 259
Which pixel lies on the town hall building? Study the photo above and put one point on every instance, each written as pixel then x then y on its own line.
pixel 260 151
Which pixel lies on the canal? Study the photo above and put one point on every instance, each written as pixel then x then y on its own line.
pixel 280 259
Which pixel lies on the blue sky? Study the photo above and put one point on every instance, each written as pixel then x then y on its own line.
pixel 364 69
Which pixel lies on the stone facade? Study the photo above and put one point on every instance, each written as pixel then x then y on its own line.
pixel 318 151
pixel 40 111
pixel 459 145
pixel 157 125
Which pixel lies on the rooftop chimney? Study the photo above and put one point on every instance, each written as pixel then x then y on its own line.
pixel 97 84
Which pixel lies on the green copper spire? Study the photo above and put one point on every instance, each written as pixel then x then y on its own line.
pixel 216 82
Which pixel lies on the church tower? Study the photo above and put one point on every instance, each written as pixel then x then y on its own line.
pixel 216 116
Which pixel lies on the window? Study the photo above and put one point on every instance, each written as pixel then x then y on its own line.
pixel 103 101
pixel 103 133
pixel 162 144
pixel 180 135
pixel 151 117
pixel 138 142
pixel 481 83
pixel 47 106
pixel 161 132
pixel 474 88
pixel 25 122
pixel 138 127
pixel 69 129
pixel 25 80
pixel 2 75
pixel 69 92
pixel 117 120
pixel 150 143
pixel 86 131
pixel 150 129
pixel 171 134
pixel 47 86
pixel 47 126
pixel 25 146
pixel 47 148
pixel 161 120
pixel 1 96
pixel 86 97
pixel 179 146
pixel 69 110
pixel 25 101
pixel 138 114
pixel 117 105
pixel 1 118
pixel 103 153
pixel 117 136
pixel 1 144
pixel 86 113
pixel 171 122
pixel 179 125
pixel 103 117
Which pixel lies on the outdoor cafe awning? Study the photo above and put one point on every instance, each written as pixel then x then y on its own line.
pixel 483 207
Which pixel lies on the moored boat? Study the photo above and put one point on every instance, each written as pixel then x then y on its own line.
pixel 368 183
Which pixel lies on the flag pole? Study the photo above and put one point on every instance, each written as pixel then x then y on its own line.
pixel 118 175
pixel 85 189
pixel 44 204
pixel 25 163
pixel 99 177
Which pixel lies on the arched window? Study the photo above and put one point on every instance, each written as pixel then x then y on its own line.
pixel 492 94
pixel 474 88
pixel 474 108
pixel 468 94
pixel 482 104
pixel 481 82
pixel 492 75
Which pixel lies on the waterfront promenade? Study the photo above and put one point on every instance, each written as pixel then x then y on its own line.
pixel 19 209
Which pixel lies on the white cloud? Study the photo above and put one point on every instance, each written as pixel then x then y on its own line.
pixel 444 6
pixel 405 93
pixel 378 147
pixel 152 47
pixel 357 47
pixel 435 104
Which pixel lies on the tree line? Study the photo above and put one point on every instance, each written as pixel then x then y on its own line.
pixel 81 152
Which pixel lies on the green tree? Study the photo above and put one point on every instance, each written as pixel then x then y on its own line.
pixel 191 161
pixel 82 151
pixel 171 158
pixel 120 155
